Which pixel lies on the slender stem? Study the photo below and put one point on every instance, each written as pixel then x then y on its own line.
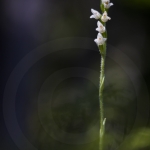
pixel 102 50
pixel 102 78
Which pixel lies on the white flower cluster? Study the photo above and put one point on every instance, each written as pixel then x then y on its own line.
pixel 103 18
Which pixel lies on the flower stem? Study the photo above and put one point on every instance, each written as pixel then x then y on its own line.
pixel 101 87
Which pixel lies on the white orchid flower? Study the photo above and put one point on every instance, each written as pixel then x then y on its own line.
pixel 100 27
pixel 100 40
pixel 104 17
pixel 108 5
pixel 95 15
pixel 105 1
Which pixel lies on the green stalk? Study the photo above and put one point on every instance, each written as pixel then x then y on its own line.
pixel 101 87
pixel 102 50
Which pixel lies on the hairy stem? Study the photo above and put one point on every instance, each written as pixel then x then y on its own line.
pixel 102 50
pixel 102 78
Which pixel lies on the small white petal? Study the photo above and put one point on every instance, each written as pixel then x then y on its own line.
pixel 93 11
pixel 111 4
pixel 98 23
pixel 96 41
pixel 99 35
pixel 109 18
pixel 92 16
pixel 97 29
pixel 105 39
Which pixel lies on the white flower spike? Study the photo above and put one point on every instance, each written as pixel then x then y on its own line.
pixel 100 27
pixel 95 15
pixel 100 40
pixel 104 17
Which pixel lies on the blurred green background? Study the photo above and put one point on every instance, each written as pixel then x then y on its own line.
pixel 57 104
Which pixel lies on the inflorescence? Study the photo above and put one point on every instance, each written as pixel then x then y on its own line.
pixel 103 18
